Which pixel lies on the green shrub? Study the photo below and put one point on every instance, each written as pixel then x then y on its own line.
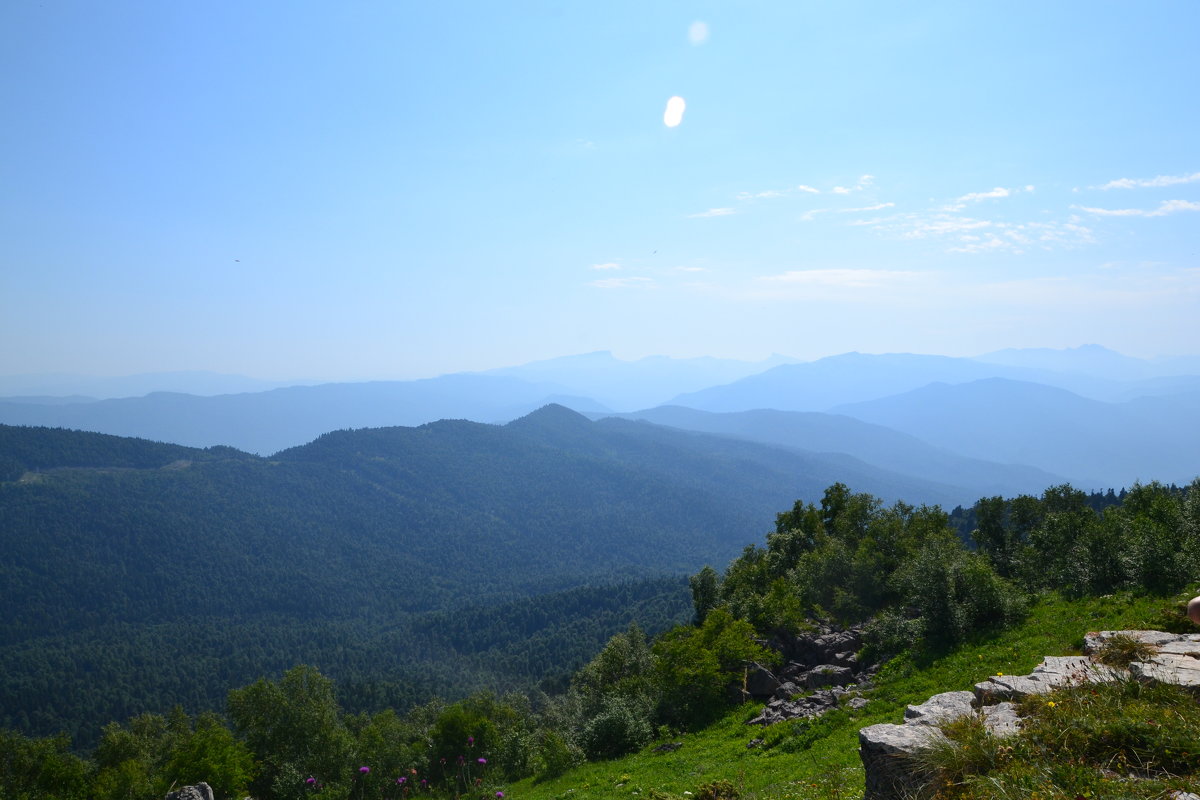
pixel 621 727
pixel 718 790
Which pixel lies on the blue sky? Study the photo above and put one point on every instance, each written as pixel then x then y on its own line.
pixel 390 190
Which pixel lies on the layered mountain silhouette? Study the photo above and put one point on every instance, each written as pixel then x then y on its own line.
pixel 874 444
pixel 1097 444
pixel 1154 399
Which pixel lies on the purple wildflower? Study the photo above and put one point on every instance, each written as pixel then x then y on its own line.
pixel 311 781
pixel 499 795
pixel 401 780
pixel 481 760
pixel 364 770
pixel 470 741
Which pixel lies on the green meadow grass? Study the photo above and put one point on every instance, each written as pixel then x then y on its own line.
pixel 807 761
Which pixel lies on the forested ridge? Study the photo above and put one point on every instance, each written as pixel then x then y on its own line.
pixel 850 558
pixel 149 583
pixel 139 574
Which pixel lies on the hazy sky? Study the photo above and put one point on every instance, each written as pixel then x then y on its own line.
pixel 399 189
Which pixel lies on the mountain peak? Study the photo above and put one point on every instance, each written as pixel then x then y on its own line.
pixel 551 415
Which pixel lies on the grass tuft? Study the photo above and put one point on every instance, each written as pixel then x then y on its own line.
pixel 1121 650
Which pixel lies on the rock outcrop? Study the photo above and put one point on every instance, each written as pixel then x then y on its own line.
pixel 819 669
pixel 201 791
pixel 890 753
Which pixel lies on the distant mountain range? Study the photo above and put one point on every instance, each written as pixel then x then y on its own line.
pixel 856 377
pixel 1092 359
pixel 266 422
pixel 646 382
pixel 1098 444
pixel 873 444
pixel 90 387
pixel 1115 390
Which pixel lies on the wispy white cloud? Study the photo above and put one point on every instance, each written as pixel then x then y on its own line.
pixel 973 235
pixel 974 197
pixel 1164 208
pixel 623 283
pixel 809 216
pixel 771 194
pixel 863 182
pixel 1161 180
pixel 698 32
pixel 714 212
pixel 606 265
pixel 691 269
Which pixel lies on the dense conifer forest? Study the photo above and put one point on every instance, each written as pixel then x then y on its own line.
pixel 901 569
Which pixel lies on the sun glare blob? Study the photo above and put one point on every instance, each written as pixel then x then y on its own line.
pixel 698 32
pixel 674 113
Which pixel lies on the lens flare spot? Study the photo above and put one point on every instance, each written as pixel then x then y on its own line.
pixel 674 113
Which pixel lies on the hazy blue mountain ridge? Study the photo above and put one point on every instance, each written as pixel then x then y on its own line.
pixel 641 383
pixel 1096 360
pixel 92 387
pixel 856 377
pixel 871 443
pixel 1096 444
pixel 266 422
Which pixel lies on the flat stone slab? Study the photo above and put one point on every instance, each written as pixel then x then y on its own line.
pixel 944 707
pixel 1184 647
pixel 1169 668
pixel 1074 670
pixel 1093 641
pixel 1009 687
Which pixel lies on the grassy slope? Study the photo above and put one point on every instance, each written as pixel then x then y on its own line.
pixel 798 761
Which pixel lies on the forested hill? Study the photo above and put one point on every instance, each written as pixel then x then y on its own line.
pixel 121 554
pixel 34 449
pixel 381 521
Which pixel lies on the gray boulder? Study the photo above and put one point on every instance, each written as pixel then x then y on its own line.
pixel 761 683
pixel 891 758
pixel 201 791
pixel 828 675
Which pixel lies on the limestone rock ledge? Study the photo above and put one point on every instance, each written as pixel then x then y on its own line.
pixel 890 752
